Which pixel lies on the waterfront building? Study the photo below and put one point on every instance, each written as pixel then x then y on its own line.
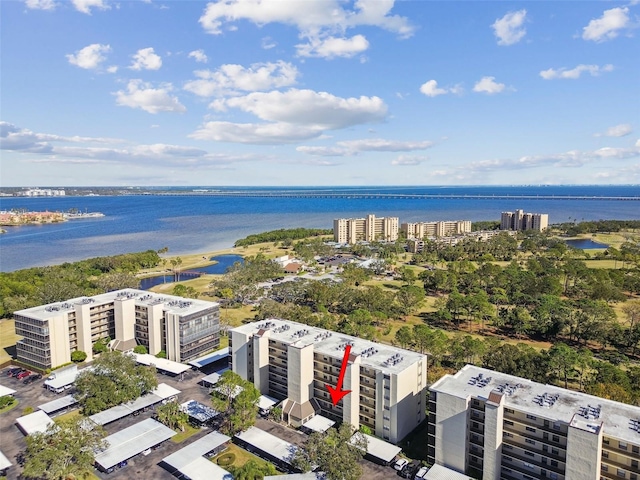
pixel 183 328
pixel 498 426
pixel 369 229
pixel 417 245
pixel 436 229
pixel 41 192
pixel 521 220
pixel 295 363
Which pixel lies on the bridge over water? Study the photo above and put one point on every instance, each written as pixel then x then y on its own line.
pixel 390 196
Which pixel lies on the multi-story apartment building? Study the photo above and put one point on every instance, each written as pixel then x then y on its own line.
pixel 295 363
pixel 183 328
pixel 497 426
pixel 371 228
pixel 417 245
pixel 520 220
pixel 421 230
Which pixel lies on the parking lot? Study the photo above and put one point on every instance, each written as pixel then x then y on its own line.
pixel 141 467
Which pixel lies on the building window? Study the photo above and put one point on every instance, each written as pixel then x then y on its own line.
pixel 554 464
pixel 605 441
pixel 622 445
pixel 508 410
pixel 555 438
pixel 531 417
pixel 507 434
pixel 605 468
pixel 605 454
pixel 553 476
pixel 528 453
pixel 531 429
pixel 635 449
pixel 621 473
pixel 555 451
pixel 528 440
pixel 508 422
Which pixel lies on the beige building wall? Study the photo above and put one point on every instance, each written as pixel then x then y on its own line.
pixel 261 361
pixel 59 340
pixel 241 352
pixel 451 431
pixel 581 465
pixel 493 422
pixel 83 330
pixel 155 316
pixel 124 315
pixel 351 402
pixel 300 373
pixel 173 336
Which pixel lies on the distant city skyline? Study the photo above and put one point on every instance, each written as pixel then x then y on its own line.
pixel 319 93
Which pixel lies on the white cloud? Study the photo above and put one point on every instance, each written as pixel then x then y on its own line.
pixel 85 6
pixel 574 73
pixel 321 110
pixel 254 133
pixel 291 116
pixel 354 147
pixel 89 57
pixel 231 79
pixel 488 85
pixel 617 131
pixel 607 26
pixel 408 160
pixel 112 69
pixel 319 22
pixel 509 29
pixel 199 56
pixel 431 89
pixel 332 47
pixel 146 59
pixel 381 145
pixel 268 43
pixel 46 146
pixel 40 4
pixel 153 100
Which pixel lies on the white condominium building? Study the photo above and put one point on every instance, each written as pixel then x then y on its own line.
pixel 497 426
pixel 295 363
pixel 369 229
pixel 436 229
pixel 520 220
pixel 183 328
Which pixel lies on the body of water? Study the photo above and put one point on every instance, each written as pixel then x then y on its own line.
pixel 191 224
pixel 585 244
pixel 223 262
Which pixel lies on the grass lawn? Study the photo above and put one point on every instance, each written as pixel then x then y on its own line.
pixel 10 407
pixel 189 431
pixel 8 338
pixel 242 456
pixel 69 415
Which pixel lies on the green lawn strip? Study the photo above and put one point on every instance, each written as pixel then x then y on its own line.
pixel 10 407
pixel 189 431
pixel 242 456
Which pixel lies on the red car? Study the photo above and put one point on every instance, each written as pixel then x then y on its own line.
pixel 23 375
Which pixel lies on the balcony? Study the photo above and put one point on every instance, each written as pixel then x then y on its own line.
pixel 560 468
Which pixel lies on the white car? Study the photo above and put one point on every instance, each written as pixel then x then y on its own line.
pixel 421 473
pixel 400 463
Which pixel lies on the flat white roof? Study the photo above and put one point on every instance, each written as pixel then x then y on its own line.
pixel 37 421
pixel 269 444
pixel 438 472
pixel 377 448
pixel 161 363
pixel 190 460
pixel 210 358
pixel 131 441
pixel 162 392
pixel 546 401
pixel 170 303
pixel 63 377
pixel 385 358
pixel 58 404
pixel 4 462
pixel 211 379
pixel 202 469
pixel 265 402
pixel 4 391
pixel 319 424
pixel 299 476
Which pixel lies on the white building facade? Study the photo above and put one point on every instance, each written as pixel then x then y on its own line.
pixel 295 363
pixel 183 328
pixel 498 426
pixel 369 229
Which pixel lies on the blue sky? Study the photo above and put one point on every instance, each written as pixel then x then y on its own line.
pixel 319 92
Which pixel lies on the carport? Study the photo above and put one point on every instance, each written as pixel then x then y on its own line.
pixel 131 441
pixel 190 461
pixel 59 405
pixel 268 446
pixel 318 424
pixel 379 451
pixel 162 364
pixel 34 422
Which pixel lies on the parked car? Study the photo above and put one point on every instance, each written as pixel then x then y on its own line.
pixel 11 371
pixel 24 374
pixel 32 378
pixel 400 464
pixel 421 473
pixel 18 372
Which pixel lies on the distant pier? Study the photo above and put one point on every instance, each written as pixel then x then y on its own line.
pixel 383 196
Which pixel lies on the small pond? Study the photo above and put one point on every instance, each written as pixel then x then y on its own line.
pixel 224 262
pixel 585 244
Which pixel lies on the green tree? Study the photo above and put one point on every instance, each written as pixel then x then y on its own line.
pixel 404 337
pixel 141 349
pixel 170 415
pixel 409 298
pixel 334 453
pixel 78 356
pixel 237 400
pixel 562 361
pixel 114 379
pixel 65 451
pixel 117 281
pixel 161 354
pixel 253 470
pixel 186 291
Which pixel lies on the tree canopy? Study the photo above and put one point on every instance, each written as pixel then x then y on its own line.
pixel 237 400
pixel 114 378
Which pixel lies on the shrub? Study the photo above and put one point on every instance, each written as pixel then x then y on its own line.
pixel 161 354
pixel 6 401
pixel 226 459
pixel 140 349
pixel 28 410
pixel 78 356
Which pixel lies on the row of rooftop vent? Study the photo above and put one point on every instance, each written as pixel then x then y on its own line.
pixel 344 344
pixel 479 381
pixel 300 333
pixel 590 412
pixel 393 360
pixel 368 352
pixel 546 399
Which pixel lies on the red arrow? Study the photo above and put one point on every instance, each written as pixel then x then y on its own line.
pixel 337 393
